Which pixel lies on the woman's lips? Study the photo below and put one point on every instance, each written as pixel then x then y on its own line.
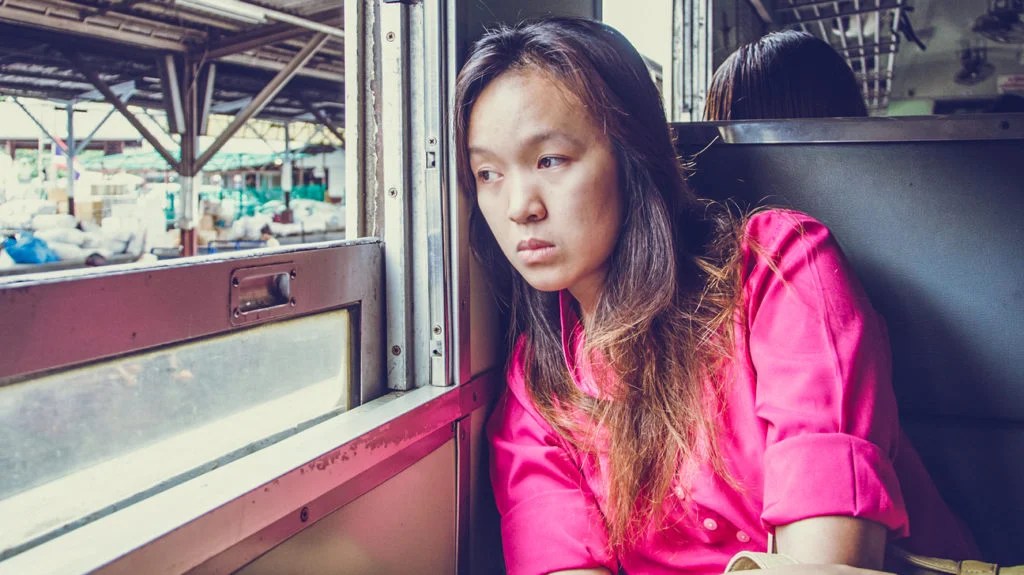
pixel 535 251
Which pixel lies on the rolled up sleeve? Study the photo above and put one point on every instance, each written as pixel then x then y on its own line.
pixel 824 388
pixel 550 520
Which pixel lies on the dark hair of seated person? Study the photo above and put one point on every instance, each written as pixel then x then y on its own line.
pixel 786 74
pixel 95 259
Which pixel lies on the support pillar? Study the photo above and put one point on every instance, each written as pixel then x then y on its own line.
pixel 40 150
pixel 187 163
pixel 70 157
pixel 55 144
pixel 264 97
pixel 286 176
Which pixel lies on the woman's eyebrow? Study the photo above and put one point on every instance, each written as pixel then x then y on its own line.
pixel 547 135
pixel 479 151
pixel 532 142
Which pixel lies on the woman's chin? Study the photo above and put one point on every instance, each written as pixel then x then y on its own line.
pixel 545 284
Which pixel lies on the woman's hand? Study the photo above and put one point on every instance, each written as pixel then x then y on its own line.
pixel 831 545
pixel 819 570
pixel 833 540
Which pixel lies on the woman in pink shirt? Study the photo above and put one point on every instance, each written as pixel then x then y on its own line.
pixel 684 384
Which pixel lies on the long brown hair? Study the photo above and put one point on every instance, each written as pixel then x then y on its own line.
pixel 671 284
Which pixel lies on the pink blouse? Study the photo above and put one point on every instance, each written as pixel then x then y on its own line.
pixel 810 429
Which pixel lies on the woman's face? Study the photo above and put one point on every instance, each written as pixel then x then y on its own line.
pixel 546 182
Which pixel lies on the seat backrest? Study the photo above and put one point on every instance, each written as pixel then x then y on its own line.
pixel 930 211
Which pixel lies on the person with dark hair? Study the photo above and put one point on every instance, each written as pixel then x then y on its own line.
pixel 786 74
pixel 95 259
pixel 268 238
pixel 684 383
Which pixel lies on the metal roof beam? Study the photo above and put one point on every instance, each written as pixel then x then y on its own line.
pixel 35 92
pixel 325 121
pixel 83 144
pixel 260 63
pixel 763 12
pixel 263 98
pixel 232 106
pixel 239 45
pixel 265 36
pixel 112 98
pixel 121 89
pixel 122 6
pixel 318 132
pixel 15 74
pixel 170 84
pixel 69 92
pixel 60 143
pixel 207 79
pixel 156 122
pixel 38 20
pixel 252 13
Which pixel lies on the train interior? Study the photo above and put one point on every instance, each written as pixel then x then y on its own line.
pixel 320 407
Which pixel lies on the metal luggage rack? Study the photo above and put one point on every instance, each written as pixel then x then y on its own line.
pixel 865 32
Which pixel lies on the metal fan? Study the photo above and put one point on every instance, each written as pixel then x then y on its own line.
pixel 1002 23
pixel 974 66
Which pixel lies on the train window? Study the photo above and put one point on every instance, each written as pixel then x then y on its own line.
pixel 190 383
pixel 648 26
pixel 192 130
pixel 116 430
pixel 119 387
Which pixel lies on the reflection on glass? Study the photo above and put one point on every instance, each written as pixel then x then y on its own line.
pixel 925 57
pixel 91 438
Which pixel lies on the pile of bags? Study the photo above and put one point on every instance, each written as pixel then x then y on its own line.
pixel 17 214
pixel 309 216
pixel 59 237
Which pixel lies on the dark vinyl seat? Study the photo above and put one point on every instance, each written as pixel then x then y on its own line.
pixel 930 211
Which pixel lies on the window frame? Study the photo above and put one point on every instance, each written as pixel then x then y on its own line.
pixel 255 500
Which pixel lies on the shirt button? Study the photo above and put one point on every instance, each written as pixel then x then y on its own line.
pixel 710 524
pixel 742 537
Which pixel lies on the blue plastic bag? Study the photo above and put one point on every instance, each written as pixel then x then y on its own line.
pixel 28 249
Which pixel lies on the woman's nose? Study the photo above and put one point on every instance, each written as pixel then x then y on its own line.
pixel 524 201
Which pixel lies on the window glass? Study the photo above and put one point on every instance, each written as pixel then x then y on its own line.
pixel 97 437
pixel 911 58
pixel 83 184
pixel 648 26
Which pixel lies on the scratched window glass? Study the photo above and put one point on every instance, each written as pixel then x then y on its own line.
pixel 99 437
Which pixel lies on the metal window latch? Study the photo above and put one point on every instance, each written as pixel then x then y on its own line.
pixel 262 293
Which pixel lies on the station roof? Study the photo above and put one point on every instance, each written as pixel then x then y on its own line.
pixel 46 44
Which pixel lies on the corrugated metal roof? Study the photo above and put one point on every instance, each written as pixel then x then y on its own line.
pixel 126 41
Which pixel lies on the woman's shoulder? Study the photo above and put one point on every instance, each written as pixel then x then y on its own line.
pixel 772 226
pixel 773 236
pixel 516 408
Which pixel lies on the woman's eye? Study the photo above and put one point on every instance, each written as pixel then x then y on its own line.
pixel 486 175
pixel 550 162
